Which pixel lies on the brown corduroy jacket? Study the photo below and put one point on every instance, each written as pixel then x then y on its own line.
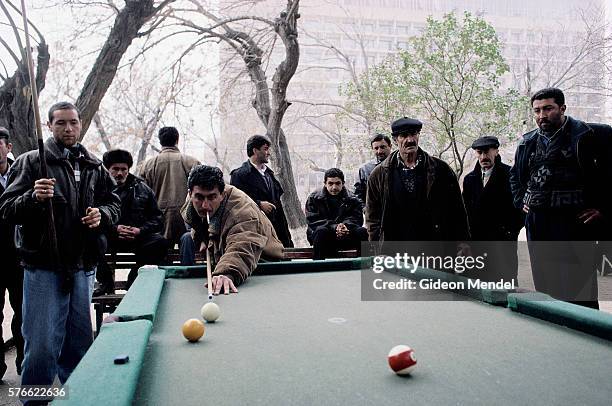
pixel 242 236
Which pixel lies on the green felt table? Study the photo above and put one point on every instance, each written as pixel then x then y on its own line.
pixel 308 338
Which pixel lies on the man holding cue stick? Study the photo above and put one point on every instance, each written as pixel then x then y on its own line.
pixel 231 228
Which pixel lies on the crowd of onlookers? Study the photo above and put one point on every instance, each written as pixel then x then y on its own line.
pixel 55 230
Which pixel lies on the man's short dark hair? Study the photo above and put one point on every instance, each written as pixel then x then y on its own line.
pixel 206 177
pixel 380 137
pixel 117 156
pixel 4 134
pixel 549 93
pixel 64 105
pixel 333 173
pixel 256 141
pixel 168 136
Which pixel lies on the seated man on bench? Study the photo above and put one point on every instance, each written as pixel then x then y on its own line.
pixel 140 225
pixel 335 217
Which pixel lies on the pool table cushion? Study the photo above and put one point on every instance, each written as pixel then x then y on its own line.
pixel 141 300
pixel 119 380
pixel 577 317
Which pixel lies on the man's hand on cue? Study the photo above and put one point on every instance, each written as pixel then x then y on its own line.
pixel 43 189
pixel 92 218
pixel 222 283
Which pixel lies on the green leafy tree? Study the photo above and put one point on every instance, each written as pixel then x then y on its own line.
pixel 450 76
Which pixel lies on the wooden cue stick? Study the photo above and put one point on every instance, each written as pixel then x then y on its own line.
pixel 39 134
pixel 208 267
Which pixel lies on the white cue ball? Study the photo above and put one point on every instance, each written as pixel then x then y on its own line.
pixel 210 312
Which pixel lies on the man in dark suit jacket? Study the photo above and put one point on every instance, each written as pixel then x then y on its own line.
pixel 258 181
pixel 491 212
pixel 12 273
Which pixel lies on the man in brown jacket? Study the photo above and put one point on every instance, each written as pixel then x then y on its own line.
pixel 239 233
pixel 167 175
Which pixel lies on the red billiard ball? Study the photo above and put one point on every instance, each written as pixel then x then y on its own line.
pixel 402 359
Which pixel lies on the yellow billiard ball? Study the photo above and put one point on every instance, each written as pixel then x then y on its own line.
pixel 193 330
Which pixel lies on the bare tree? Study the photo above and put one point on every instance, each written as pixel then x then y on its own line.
pixel 577 59
pixel 16 112
pixel 270 103
pixel 346 128
pixel 127 26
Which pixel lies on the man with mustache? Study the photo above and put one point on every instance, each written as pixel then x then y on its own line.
pixel 381 145
pixel 491 212
pixel 140 225
pixel 412 196
pixel 561 179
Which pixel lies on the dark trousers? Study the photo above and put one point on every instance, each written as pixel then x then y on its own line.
pixel 149 250
pixel 12 281
pixel 563 256
pixel 327 245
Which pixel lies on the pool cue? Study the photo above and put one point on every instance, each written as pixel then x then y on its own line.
pixel 39 134
pixel 208 267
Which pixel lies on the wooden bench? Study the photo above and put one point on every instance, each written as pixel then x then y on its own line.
pixel 127 261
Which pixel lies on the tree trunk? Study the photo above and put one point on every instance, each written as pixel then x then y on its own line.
pixel 291 202
pixel 16 112
pixel 286 28
pixel 128 22
pixel 102 132
pixel 271 110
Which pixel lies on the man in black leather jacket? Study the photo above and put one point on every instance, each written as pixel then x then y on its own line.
pixel 335 217
pixel 57 286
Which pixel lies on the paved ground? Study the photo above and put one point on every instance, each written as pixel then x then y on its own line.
pixel 11 379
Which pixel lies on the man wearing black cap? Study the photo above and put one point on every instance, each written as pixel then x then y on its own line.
pixel 11 279
pixel 491 213
pixel 412 195
pixel 140 225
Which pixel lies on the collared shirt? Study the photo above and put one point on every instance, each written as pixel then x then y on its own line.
pixel 261 169
pixel 408 175
pixel 4 178
pixel 486 175
pixel 266 176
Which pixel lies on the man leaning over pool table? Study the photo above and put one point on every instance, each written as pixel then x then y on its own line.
pixel 239 233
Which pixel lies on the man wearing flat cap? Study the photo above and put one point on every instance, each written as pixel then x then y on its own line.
pixel 412 196
pixel 491 212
